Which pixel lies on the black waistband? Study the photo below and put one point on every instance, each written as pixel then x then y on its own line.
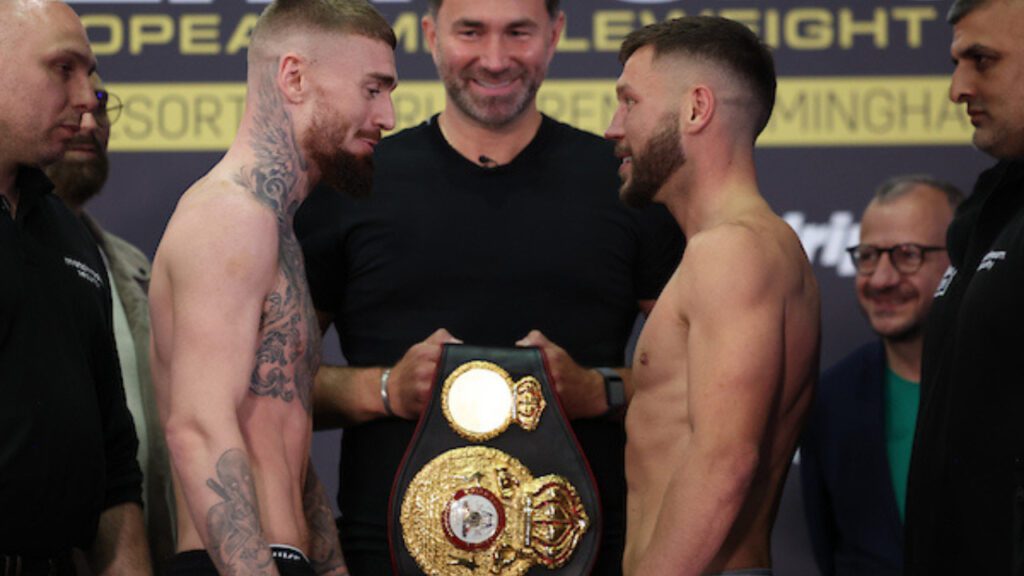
pixel 16 565
pixel 290 562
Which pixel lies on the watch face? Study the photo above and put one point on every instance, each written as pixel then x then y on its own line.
pixel 477 400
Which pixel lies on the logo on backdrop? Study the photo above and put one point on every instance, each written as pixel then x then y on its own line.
pixel 826 242
pixel 194 2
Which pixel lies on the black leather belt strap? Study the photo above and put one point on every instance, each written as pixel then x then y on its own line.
pixel 550 448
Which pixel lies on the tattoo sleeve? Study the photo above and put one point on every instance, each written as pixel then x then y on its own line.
pixel 324 547
pixel 236 542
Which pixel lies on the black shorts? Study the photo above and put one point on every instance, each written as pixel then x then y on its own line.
pixel 289 561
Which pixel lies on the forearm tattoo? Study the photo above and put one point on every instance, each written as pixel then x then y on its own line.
pixel 324 548
pixel 289 349
pixel 236 542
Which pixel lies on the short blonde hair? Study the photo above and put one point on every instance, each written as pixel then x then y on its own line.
pixel 356 17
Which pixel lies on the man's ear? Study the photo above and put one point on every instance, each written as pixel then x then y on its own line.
pixel 698 108
pixel 429 26
pixel 556 34
pixel 291 77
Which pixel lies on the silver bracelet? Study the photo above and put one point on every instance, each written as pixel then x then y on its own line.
pixel 384 392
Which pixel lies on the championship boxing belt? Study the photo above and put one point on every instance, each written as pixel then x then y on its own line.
pixel 493 482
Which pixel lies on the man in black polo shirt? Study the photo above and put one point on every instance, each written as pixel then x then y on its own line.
pixel 494 224
pixel 965 501
pixel 68 475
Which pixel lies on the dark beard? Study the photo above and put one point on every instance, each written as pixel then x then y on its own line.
pixel 345 172
pixel 78 181
pixel 651 169
pixel 494 112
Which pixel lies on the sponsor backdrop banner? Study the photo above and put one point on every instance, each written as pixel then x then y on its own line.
pixel 862 96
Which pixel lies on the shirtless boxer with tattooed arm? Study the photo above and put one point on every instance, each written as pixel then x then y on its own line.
pixel 725 365
pixel 235 338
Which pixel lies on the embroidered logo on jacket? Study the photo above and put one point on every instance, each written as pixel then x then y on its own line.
pixel 990 259
pixel 947 279
pixel 85 272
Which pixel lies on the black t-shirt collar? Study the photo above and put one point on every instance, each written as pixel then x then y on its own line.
pixel 536 146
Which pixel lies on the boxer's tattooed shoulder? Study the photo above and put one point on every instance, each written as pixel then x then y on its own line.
pixel 289 346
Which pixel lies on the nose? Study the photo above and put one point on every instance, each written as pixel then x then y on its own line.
pixel 960 89
pixel 615 131
pixel 495 56
pixel 89 123
pixel 885 274
pixel 83 94
pixel 384 117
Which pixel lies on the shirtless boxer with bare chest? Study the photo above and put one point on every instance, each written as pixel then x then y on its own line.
pixel 725 366
pixel 235 339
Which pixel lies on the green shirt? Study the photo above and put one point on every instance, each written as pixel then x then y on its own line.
pixel 901 401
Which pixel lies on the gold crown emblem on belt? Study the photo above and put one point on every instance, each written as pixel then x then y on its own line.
pixel 478 511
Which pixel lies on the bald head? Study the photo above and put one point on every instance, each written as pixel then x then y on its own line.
pixel 21 9
pixel 19 18
pixel 45 69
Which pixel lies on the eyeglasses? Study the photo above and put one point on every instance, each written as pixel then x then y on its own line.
pixel 109 107
pixel 905 258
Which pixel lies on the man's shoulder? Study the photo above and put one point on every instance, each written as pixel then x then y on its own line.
pixel 414 139
pixel 119 249
pixel 853 367
pixel 572 140
pixel 844 389
pixel 742 242
pixel 73 237
pixel 217 221
pixel 760 239
pixel 125 250
pixel 222 198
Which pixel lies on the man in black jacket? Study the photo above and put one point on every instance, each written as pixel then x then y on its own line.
pixel 68 475
pixel 965 501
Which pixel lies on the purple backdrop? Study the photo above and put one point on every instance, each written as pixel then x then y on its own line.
pixel 861 98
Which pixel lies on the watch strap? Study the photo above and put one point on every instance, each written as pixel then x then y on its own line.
pixel 614 389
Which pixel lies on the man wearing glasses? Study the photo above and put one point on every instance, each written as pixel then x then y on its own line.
pixel 68 474
pixel 856 447
pixel 77 178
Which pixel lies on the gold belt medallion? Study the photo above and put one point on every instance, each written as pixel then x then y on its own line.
pixel 478 511
pixel 480 400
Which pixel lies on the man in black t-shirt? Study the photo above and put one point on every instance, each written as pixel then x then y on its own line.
pixel 965 498
pixel 492 224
